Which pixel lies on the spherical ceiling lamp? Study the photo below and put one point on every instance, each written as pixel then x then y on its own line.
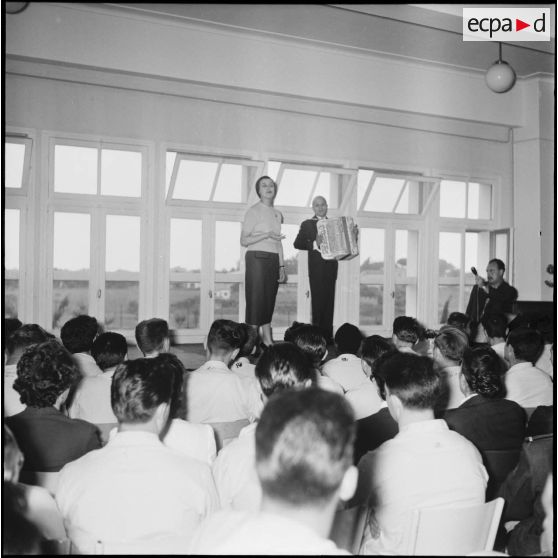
pixel 15 7
pixel 500 77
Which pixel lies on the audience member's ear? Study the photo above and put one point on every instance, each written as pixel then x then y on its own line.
pixel 162 415
pixel 394 404
pixel 509 354
pixel 307 383
pixel 366 368
pixel 463 385
pixel 234 354
pixel 61 399
pixel 325 355
pixel 348 485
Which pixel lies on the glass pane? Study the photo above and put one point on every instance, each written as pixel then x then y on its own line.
pixel 184 311
pixel 285 305
pixel 295 187
pixel 273 169
pixel 227 246
pixel 72 241
pixel 70 298
pixel 290 253
pixel 229 184
pixel 448 301
pixel 384 194
pixel 226 301
pixel 371 304
pixel 480 201
pixel 371 253
pixel 449 263
pixel 120 173
pixel 11 240
pixel 194 180
pixel 472 240
pixel 185 245
pixel 402 305
pixel 11 296
pixel 327 184
pixel 452 198
pixel 410 202
pixel 122 244
pixel 171 158
pixel 75 169
pixel 121 304
pixel 406 266
pixel 501 246
pixel 13 164
pixel 363 179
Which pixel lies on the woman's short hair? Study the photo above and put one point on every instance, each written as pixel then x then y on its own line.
pixel 44 372
pixel 259 183
pixel 482 368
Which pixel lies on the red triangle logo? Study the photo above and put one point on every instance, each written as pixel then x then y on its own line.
pixel 519 25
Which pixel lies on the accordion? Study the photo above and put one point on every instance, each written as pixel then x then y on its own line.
pixel 338 238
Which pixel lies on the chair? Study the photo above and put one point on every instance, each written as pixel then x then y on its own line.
pixel 455 530
pixel 348 528
pixel 499 464
pixel 226 432
pixel 40 478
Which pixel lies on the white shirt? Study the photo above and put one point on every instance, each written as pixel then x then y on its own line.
pixel 86 364
pixel 234 472
pixel 364 399
pixel 450 375
pixel 346 370
pixel 12 404
pixel 91 401
pixel 498 348
pixel 133 488
pixel 244 533
pixel 544 363
pixel 528 386
pixel 243 368
pixel 215 394
pixel 425 465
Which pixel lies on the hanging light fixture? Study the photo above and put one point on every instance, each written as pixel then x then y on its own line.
pixel 500 77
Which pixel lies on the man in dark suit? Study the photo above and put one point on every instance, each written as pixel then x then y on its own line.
pixel 322 273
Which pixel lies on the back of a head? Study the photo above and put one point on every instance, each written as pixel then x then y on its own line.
pixel 78 333
pixel 460 321
pixel 311 341
pixel 374 347
pixel 290 331
pixel 10 325
pixel 224 337
pixel 26 336
pixel 304 446
pixel 482 369
pixel 151 335
pixel 406 329
pixel 249 339
pixel 413 380
pixel 109 349
pixel 283 366
pixel 172 363
pixel 348 339
pixel 527 344
pixel 379 370
pixel 44 372
pixel 495 325
pixel 138 387
pixel 451 342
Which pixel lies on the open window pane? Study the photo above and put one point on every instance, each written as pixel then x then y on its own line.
pixel 171 158
pixel 273 169
pixel 185 245
pixel 384 194
pixel 472 248
pixel 285 305
pixel 194 180
pixel 363 180
pixel 184 299
pixel 226 301
pixel 371 253
pixel 371 305
pixel 449 260
pixel 13 164
pixel 295 187
pixel 75 169
pixel 452 199
pixel 72 241
pixel 229 184
pixel 120 173
pixel 121 304
pixel 406 268
pixel 227 247
pixel 448 301
pixel 479 201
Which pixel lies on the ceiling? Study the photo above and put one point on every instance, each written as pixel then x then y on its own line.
pixel 428 33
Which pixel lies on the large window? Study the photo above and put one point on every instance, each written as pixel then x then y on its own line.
pixel 465 200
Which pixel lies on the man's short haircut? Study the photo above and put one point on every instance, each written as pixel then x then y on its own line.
pixel 78 333
pixel 138 387
pixel 374 347
pixel 249 339
pixel 304 446
pixel 283 366
pixel 10 325
pixel 459 320
pixel 499 263
pixel 26 336
pixel 413 379
pixel 109 349
pixel 406 329
pixel 348 339
pixel 482 369
pixel 151 335
pixel 379 370
pixel 224 336
pixel 44 372
pixel 451 342
pixel 527 344
pixel 311 341
pixel 290 331
pixel 495 325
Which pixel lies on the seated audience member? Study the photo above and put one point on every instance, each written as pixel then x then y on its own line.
pixel 460 321
pixel 546 327
pixel 282 366
pixel 241 365
pixel 424 465
pixel 346 369
pixel 449 346
pixel 153 337
pixel 48 439
pixel 304 443
pixel 16 344
pixel 495 326
pixel 136 490
pixel 374 430
pixel 215 394
pixel 522 491
pixel 526 384
pixel 77 335
pixel 541 421
pixel 10 325
pixel 91 400
pixel 405 333
pixel 311 341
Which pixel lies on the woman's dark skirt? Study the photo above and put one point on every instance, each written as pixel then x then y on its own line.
pixel 262 274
